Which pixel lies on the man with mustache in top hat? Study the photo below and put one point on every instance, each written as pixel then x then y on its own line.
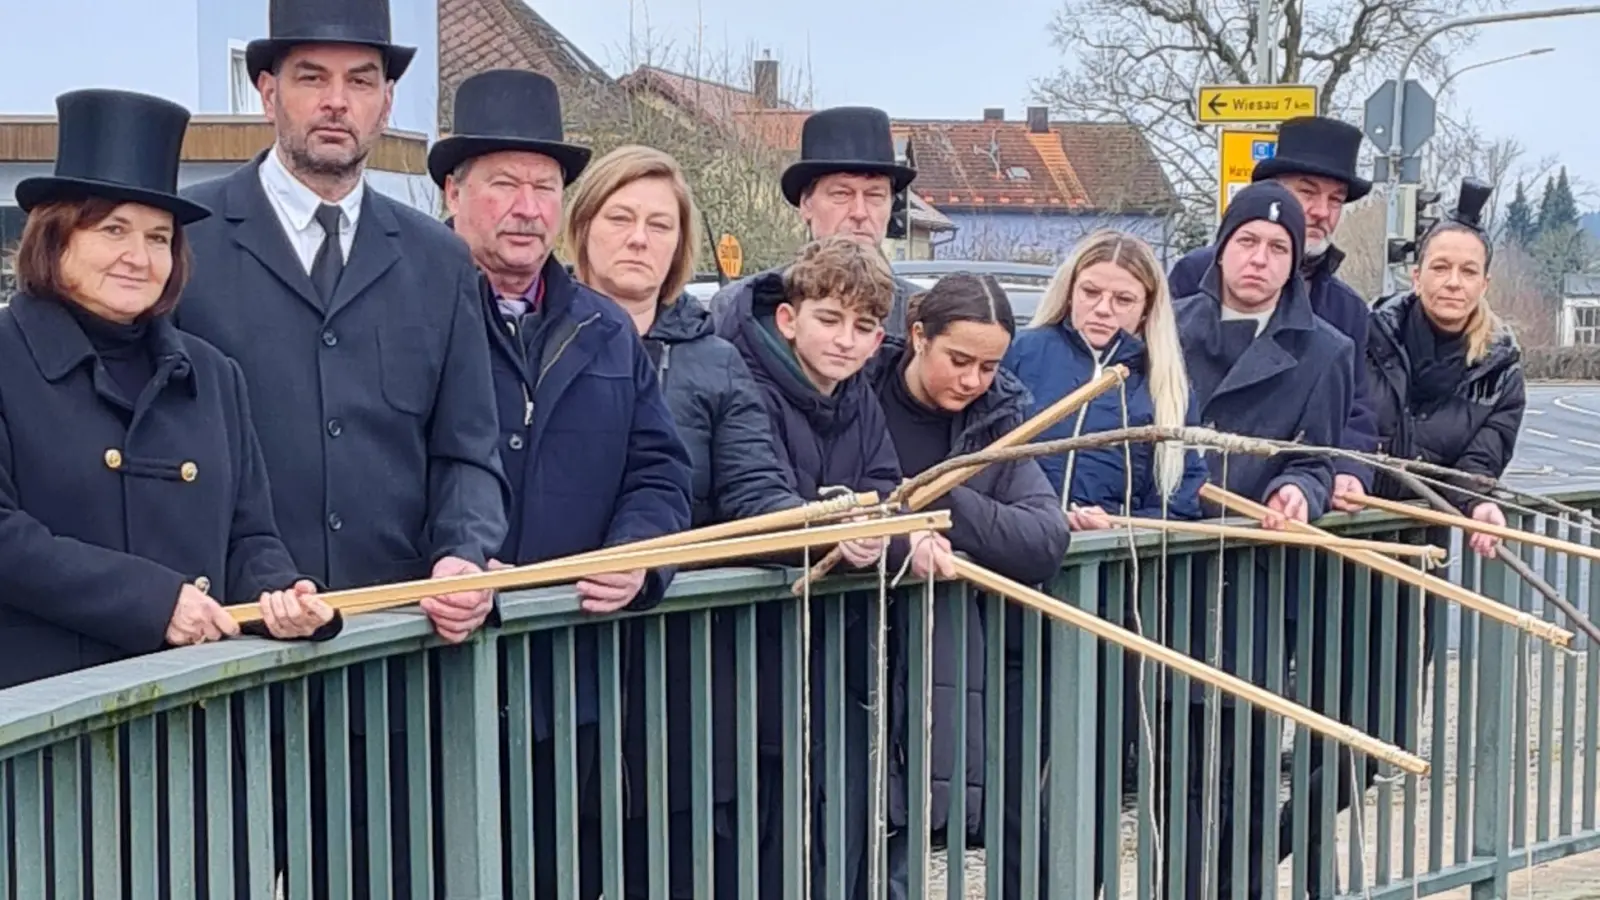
pixel 844 183
pixel 358 325
pixel 586 437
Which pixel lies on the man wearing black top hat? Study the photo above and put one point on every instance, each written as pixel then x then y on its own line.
pixel 357 322
pixel 1316 160
pixel 844 183
pixel 586 438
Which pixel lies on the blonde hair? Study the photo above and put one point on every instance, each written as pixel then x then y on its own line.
pixel 854 274
pixel 613 172
pixel 1169 380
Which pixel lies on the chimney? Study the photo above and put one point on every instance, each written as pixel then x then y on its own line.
pixel 1038 119
pixel 764 81
pixel 994 114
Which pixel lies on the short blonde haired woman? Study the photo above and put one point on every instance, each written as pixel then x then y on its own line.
pixel 1108 304
pixel 632 235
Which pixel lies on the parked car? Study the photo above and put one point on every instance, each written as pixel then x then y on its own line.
pixel 1024 283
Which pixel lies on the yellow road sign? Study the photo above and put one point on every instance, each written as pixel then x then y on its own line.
pixel 730 256
pixel 1238 151
pixel 1236 104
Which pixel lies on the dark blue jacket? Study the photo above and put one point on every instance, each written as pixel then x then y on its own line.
pixel 1292 383
pixel 821 441
pixel 1336 303
pixel 107 509
pixel 589 447
pixel 1054 362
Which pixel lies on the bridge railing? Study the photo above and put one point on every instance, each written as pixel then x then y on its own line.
pixel 247 767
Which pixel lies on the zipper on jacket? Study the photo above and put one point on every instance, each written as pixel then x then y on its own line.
pixel 548 364
pixel 1077 430
pixel 527 399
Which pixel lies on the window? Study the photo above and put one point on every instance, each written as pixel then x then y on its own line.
pixel 242 96
pixel 1585 325
pixel 11 220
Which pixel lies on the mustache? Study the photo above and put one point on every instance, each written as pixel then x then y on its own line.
pixel 523 227
pixel 332 125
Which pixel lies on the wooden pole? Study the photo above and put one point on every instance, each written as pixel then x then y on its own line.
pixel 809 514
pixel 561 571
pixel 1291 538
pixel 1433 584
pixel 1454 520
pixel 1022 434
pixel 1227 683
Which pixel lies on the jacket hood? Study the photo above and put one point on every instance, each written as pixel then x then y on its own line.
pixel 681 321
pixel 1001 408
pixel 1388 320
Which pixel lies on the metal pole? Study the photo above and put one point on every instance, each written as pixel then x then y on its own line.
pixel 1400 94
pixel 1265 39
pixel 1538 51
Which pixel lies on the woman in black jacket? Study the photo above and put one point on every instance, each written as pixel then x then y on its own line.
pixel 133 498
pixel 1447 384
pixel 631 231
pixel 944 394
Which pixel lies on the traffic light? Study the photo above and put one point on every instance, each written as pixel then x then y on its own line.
pixel 1418 213
pixel 900 216
pixel 1426 213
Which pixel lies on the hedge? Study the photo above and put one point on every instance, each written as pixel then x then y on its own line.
pixel 1561 363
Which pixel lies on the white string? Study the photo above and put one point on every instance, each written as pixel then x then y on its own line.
pixel 1212 718
pixel 877 757
pixel 805 718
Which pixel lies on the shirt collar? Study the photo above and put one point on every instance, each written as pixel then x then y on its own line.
pixel 299 202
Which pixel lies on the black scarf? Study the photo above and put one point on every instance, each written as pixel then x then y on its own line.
pixel 124 349
pixel 1438 358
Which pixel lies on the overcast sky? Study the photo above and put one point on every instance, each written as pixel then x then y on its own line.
pixel 952 58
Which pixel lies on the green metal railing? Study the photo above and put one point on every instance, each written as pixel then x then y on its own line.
pixel 204 771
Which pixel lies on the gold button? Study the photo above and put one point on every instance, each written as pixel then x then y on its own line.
pixel 203 584
pixel 188 471
pixel 113 458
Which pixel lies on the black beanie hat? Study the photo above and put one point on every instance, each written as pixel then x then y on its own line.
pixel 1269 201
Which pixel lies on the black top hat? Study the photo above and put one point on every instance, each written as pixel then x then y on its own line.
pixel 1317 145
pixel 845 139
pixel 364 22
pixel 118 145
pixel 506 109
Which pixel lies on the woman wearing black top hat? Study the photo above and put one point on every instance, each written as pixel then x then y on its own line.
pixel 132 496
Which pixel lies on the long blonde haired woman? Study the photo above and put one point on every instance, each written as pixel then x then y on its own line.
pixel 1108 304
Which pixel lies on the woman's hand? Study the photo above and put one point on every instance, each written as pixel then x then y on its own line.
pixel 294 613
pixel 1485 545
pixel 1087 518
pixel 1287 504
pixel 864 552
pixel 197 618
pixel 931 554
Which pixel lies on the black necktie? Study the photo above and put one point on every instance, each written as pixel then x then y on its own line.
pixel 329 262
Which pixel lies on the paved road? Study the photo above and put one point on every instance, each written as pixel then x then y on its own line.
pixel 1559 448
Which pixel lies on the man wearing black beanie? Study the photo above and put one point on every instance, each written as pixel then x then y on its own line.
pixel 1261 363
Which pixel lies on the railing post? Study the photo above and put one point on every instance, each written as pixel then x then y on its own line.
pixel 1494 740
pixel 469 762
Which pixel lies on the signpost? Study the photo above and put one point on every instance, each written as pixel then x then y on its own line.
pixel 1238 151
pixel 1241 104
pixel 1399 122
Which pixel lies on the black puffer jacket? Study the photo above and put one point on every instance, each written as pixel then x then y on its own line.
pixel 723 422
pixel 1473 429
pixel 1007 517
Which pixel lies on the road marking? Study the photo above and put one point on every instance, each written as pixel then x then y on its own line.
pixel 1590 444
pixel 1533 412
pixel 1562 402
pixel 1544 434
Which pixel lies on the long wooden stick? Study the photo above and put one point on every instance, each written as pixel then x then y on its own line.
pixel 561 571
pixel 1433 584
pixel 810 514
pixel 1022 434
pixel 1455 520
pixel 1504 554
pixel 1231 684
pixel 1435 554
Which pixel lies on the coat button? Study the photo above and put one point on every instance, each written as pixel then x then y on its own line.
pixel 202 584
pixel 515 442
pixel 335 428
pixel 334 522
pixel 329 338
pixel 113 458
pixel 189 471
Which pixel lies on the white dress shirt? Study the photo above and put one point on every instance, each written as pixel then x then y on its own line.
pixel 296 206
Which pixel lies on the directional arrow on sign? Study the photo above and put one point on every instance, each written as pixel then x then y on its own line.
pixel 1216 105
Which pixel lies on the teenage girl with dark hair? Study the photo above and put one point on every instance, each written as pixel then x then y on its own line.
pixel 944 394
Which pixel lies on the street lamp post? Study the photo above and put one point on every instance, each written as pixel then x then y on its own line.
pixel 1394 151
pixel 1537 51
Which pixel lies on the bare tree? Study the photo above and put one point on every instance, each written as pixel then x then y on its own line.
pixel 1139 61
